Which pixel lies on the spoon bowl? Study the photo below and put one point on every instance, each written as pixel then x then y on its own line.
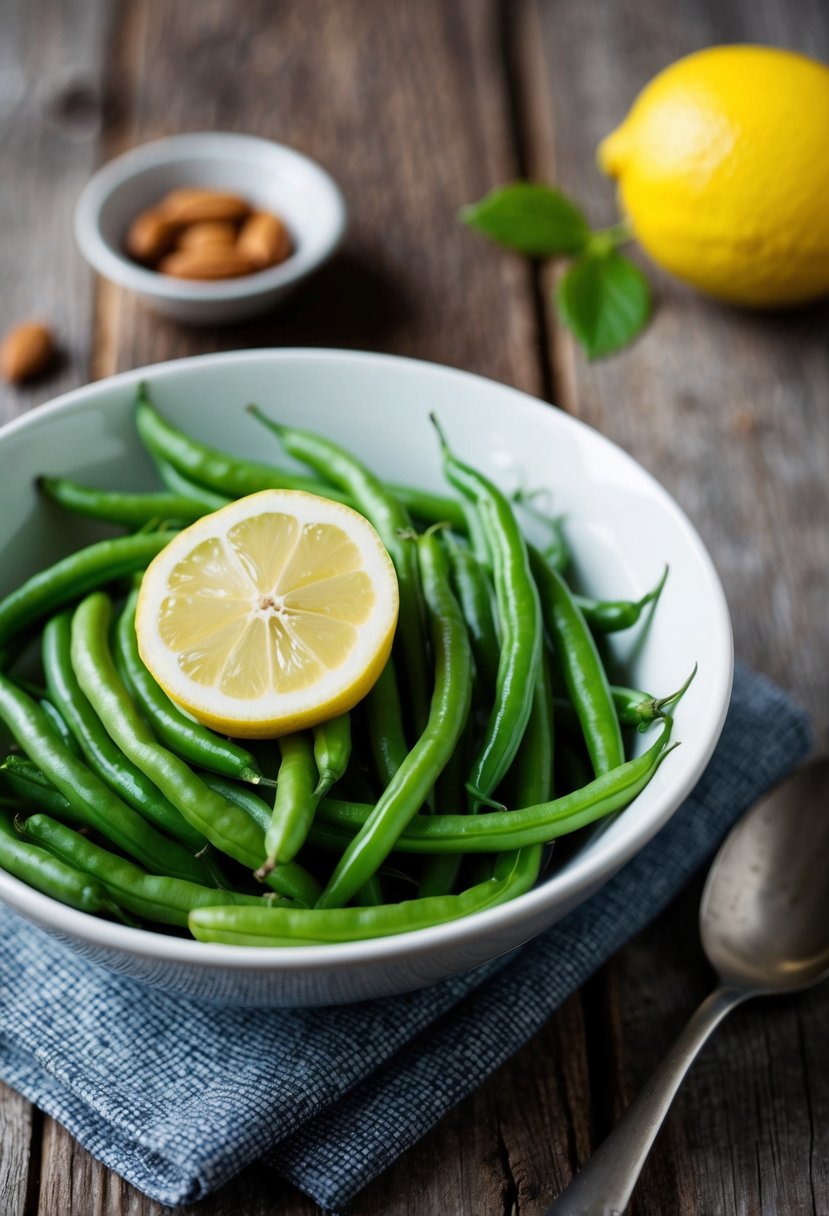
pixel 764 916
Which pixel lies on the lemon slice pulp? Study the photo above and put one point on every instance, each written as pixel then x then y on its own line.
pixel 271 614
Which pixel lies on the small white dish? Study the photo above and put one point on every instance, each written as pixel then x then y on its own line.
pixel 269 175
pixel 623 526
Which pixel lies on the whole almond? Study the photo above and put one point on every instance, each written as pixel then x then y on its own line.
pixel 191 204
pixel 208 262
pixel 210 232
pixel 264 239
pixel 26 351
pixel 150 235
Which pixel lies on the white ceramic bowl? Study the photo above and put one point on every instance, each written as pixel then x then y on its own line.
pixel 267 174
pixel 623 527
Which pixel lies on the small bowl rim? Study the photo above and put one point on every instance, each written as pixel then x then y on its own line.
pixel 119 268
pixel 583 876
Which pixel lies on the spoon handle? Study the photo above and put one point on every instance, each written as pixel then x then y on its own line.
pixel 605 1185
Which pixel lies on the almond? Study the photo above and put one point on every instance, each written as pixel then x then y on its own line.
pixel 150 235
pixel 26 351
pixel 264 239
pixel 210 232
pixel 191 204
pixel 208 262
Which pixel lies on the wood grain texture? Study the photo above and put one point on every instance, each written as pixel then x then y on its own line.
pixel 726 407
pixel 405 105
pixel 17 1141
pixel 417 109
pixel 51 106
pixel 749 1131
pixel 50 110
pixel 511 1146
pixel 729 410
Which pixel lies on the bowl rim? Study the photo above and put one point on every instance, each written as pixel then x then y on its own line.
pixel 581 875
pixel 120 269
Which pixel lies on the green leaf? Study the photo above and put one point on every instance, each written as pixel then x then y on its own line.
pixel 605 300
pixel 530 218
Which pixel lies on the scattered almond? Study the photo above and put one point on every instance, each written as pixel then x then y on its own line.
pixel 264 240
pixel 150 236
pixel 192 204
pixel 207 262
pixel 209 232
pixel 26 351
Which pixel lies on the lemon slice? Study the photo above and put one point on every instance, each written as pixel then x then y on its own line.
pixel 271 614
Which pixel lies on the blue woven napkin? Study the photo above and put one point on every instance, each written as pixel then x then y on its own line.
pixel 178 1098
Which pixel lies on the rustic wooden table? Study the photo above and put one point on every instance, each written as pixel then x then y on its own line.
pixel 417 108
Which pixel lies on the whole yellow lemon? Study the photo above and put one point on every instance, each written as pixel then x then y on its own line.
pixel 723 171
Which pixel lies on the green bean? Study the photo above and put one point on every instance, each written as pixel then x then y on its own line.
pixel 573 769
pixel 532 778
pixel 387 736
pixel 294 927
pixel 501 831
pixel 150 896
pixel 291 879
pixel 242 796
pixel 332 749
pixel 73 576
pixel 223 823
pixel 234 476
pixel 182 487
pixel 23 782
pixel 295 803
pixel 478 543
pixel 633 707
pixel 36 691
pixel 117 507
pixel 218 471
pixel 581 667
pixel 188 739
pixel 393 526
pixel 440 871
pixel 370 894
pixel 99 752
pixel 611 616
pixel 519 618
pixel 474 593
pixel 449 710
pixel 556 552
pixel 439 877
pixel 638 709
pixel 39 869
pixel 92 801
pixel 59 725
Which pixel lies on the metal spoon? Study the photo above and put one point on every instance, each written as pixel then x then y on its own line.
pixel 764 923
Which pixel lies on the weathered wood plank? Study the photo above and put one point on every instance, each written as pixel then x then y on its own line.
pixel 74 1182
pixel 16 1136
pixel 50 102
pixel 728 409
pixel 749 1131
pixel 511 1146
pixel 50 111
pixel 406 105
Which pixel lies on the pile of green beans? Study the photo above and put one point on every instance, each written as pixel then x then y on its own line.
pixel 493 730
